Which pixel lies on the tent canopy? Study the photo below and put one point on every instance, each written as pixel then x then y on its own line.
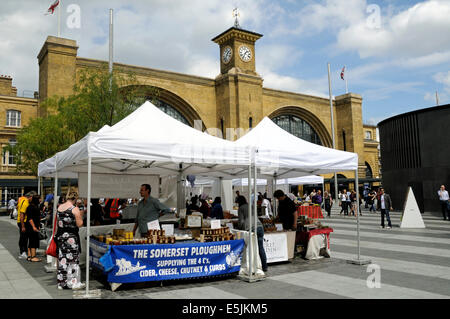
pixel 281 153
pixel 149 141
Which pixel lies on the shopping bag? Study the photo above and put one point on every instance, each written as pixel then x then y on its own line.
pixel 52 249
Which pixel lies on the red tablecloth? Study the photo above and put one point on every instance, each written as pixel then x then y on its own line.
pixel 304 236
pixel 314 212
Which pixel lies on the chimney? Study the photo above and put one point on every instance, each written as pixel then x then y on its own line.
pixel 6 87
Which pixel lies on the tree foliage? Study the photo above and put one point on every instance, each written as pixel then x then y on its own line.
pixel 99 98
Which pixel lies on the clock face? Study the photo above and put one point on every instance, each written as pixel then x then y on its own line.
pixel 245 53
pixel 226 54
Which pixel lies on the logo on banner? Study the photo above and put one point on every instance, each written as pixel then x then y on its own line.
pixel 126 268
pixel 233 259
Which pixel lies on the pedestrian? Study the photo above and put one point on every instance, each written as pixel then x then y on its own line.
pixel 287 211
pixel 69 219
pixel 217 210
pixel 32 227
pixel 444 198
pixel 341 202
pixel 384 205
pixel 366 197
pixel 349 200
pixel 345 202
pixel 11 207
pixel 327 203
pixel 372 197
pixel 22 205
pixel 244 224
pixel 318 198
pixel 353 208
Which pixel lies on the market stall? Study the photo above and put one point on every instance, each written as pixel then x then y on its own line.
pixel 150 143
pixel 146 143
pixel 281 155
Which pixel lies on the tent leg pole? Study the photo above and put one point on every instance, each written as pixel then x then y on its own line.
pixel 255 212
pixel 250 245
pixel 88 222
pixel 358 261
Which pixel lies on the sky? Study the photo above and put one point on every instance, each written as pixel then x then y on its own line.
pixel 396 52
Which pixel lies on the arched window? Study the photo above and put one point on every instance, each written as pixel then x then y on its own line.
pixel 169 110
pixel 298 127
pixel 368 171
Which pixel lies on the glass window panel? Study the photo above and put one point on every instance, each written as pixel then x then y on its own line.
pixel 298 127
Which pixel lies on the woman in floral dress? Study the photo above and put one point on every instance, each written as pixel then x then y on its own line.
pixel 68 242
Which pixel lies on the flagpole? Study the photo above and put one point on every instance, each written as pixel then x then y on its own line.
pixel 346 83
pixel 332 132
pixel 437 99
pixel 59 19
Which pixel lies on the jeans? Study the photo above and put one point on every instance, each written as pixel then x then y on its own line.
pixel 444 209
pixel 23 240
pixel 372 208
pixel 262 252
pixel 385 212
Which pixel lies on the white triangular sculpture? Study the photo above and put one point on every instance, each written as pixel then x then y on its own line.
pixel 411 217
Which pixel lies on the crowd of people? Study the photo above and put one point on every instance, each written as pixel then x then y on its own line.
pixel 33 213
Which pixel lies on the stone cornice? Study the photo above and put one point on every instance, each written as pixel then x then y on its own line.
pixel 17 99
pixel 160 74
pixel 236 33
pixel 292 95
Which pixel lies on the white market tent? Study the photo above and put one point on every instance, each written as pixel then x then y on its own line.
pixel 146 142
pixel 279 154
pixel 149 141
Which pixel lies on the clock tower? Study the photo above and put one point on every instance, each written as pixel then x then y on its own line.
pixel 238 86
pixel 237 50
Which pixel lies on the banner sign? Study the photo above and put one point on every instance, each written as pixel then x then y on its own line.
pixel 275 246
pixel 138 263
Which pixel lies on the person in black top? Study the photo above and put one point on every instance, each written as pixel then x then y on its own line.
pixel 32 227
pixel 286 210
pixel 193 206
pixel 217 210
pixel 96 212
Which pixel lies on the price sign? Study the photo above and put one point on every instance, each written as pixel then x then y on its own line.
pixel 230 226
pixel 279 227
pixel 153 225
pixel 168 228
pixel 215 224
pixel 194 221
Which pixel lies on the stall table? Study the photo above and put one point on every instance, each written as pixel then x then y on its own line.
pixel 159 262
pixel 314 240
pixel 314 212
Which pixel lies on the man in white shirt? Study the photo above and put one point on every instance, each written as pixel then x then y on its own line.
pixel 384 205
pixel 11 206
pixel 444 198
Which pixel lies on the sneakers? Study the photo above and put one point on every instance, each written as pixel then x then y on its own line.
pixel 381 226
pixel 23 255
pixel 389 227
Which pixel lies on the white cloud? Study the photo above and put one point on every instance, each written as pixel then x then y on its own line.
pixel 417 32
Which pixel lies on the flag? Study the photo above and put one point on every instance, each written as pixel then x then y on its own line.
pixel 342 73
pixel 53 7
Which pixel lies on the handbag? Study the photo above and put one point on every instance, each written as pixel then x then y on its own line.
pixel 52 248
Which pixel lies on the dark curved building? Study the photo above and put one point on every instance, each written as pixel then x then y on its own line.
pixel 415 151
